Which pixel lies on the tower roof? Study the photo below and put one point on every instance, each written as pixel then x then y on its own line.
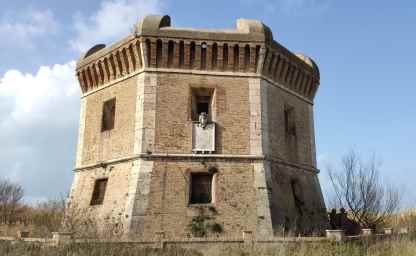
pixel 153 37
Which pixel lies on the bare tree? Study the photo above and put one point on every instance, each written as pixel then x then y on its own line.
pixel 11 195
pixel 48 215
pixel 359 187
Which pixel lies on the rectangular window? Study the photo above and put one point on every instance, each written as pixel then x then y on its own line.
pixel 99 191
pixel 201 188
pixel 201 102
pixel 290 123
pixel 290 131
pixel 109 112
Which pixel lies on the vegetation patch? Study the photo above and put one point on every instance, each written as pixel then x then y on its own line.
pixel 201 226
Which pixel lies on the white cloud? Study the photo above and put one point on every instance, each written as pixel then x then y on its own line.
pixel 21 29
pixel 113 19
pixel 39 118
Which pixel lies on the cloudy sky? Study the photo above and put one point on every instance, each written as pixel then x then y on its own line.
pixel 365 50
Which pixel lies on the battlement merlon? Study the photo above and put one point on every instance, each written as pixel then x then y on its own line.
pixel 249 50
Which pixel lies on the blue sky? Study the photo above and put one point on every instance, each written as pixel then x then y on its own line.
pixel 365 50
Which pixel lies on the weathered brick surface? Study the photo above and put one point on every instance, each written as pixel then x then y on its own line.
pixel 148 155
pixel 283 208
pixel 169 209
pixel 119 142
pixel 277 99
pixel 173 118
pixel 284 212
pixel 116 192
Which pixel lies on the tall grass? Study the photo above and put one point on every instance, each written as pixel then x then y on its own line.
pixel 399 247
pixel 25 249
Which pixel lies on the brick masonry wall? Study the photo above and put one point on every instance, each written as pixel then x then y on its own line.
pixel 277 99
pixel 283 207
pixel 152 76
pixel 173 114
pixel 282 201
pixel 115 143
pixel 115 196
pixel 234 204
pixel 153 115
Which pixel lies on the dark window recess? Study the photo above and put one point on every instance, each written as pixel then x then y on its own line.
pixel 201 102
pixel 202 107
pixel 290 124
pixel 201 188
pixel 109 112
pixel 290 131
pixel 99 191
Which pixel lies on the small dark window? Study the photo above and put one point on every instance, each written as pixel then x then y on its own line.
pixel 290 123
pixel 201 188
pixel 99 191
pixel 170 53
pixel 181 54
pixel 290 134
pixel 225 57
pixel 203 105
pixel 214 55
pixel 192 55
pixel 204 47
pixel 201 102
pixel 109 112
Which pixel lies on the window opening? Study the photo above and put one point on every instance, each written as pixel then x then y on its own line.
pixel 99 191
pixel 201 188
pixel 108 116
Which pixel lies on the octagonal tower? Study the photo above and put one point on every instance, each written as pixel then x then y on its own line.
pixel 178 123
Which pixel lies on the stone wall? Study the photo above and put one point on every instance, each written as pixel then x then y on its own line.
pixel 230 109
pixel 277 100
pixel 116 143
pixel 305 216
pixel 147 157
pixel 116 194
pixel 169 211
pixel 293 165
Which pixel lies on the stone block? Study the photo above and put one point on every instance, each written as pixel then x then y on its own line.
pixel 22 234
pixel 403 231
pixel 335 235
pixel 248 237
pixel 366 231
pixel 388 231
pixel 203 138
pixel 62 237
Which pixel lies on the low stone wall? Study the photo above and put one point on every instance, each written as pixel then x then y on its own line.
pixel 204 243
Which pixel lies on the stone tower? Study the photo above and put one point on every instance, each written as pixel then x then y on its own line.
pixel 178 123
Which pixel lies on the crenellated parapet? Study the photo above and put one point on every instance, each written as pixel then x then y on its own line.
pixel 249 50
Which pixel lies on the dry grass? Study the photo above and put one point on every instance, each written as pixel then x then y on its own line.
pixel 25 249
pixel 40 219
pixel 46 217
pixel 401 247
pixel 405 220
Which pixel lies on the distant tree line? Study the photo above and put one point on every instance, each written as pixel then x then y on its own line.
pixel 45 215
pixel 11 195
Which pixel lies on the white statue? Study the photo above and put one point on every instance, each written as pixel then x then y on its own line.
pixel 203 120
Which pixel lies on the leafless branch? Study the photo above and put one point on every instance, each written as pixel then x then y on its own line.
pixel 358 187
